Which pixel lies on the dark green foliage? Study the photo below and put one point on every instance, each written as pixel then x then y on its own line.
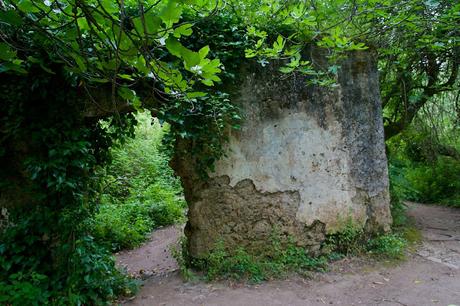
pixel 203 141
pixel 35 276
pixel 425 158
pixel 47 253
pixel 50 152
pixel 241 265
pixel 436 182
pixel 96 279
pixel 122 226
pixel 227 39
pixel 421 171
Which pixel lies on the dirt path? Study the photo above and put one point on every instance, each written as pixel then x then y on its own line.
pixel 430 276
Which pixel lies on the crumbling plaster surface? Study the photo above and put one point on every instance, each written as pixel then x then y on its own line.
pixel 330 150
pixel 293 153
pixel 306 161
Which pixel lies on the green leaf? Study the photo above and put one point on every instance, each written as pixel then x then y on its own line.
pixel 183 30
pixel 210 69
pixel 99 80
pixel 11 66
pixel 152 24
pixel 110 6
pixel 11 17
pixel 126 93
pixel 207 82
pixel 287 69
pixel 249 53
pixel 278 45
pixel 141 65
pixel 195 94
pixel 80 61
pixel 192 60
pixel 27 6
pixel 171 13
pixel 83 24
pixel 130 95
pixel 126 76
pixel 175 47
pixel 6 53
pixel 204 51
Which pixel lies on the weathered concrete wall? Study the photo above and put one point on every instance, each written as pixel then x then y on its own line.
pixel 306 161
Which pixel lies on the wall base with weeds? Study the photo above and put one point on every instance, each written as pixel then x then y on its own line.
pixel 241 265
pixel 353 240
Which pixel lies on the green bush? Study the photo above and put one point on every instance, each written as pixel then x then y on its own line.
pixel 390 246
pixel 437 182
pixel 140 190
pixel 240 265
pixel 125 225
pixel 83 273
pixel 122 226
pixel 287 257
pixel 423 166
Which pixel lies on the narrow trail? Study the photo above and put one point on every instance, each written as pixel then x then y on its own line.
pixel 430 275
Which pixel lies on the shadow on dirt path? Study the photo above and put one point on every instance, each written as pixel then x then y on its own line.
pixel 430 276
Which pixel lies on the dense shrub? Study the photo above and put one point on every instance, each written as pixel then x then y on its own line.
pixel 425 168
pixel 89 277
pixel 140 192
pixel 437 182
pixel 47 255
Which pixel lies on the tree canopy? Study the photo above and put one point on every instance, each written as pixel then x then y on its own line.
pixel 136 48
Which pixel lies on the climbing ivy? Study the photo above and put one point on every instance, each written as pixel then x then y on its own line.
pixel 48 186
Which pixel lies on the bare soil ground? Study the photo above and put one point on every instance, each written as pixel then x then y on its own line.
pixel 429 276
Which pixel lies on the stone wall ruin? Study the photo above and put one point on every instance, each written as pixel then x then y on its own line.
pixel 306 161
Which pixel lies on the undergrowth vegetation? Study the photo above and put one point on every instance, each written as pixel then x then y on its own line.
pixel 47 253
pixel 425 158
pixel 242 265
pixel 353 240
pixel 437 182
pixel 139 189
